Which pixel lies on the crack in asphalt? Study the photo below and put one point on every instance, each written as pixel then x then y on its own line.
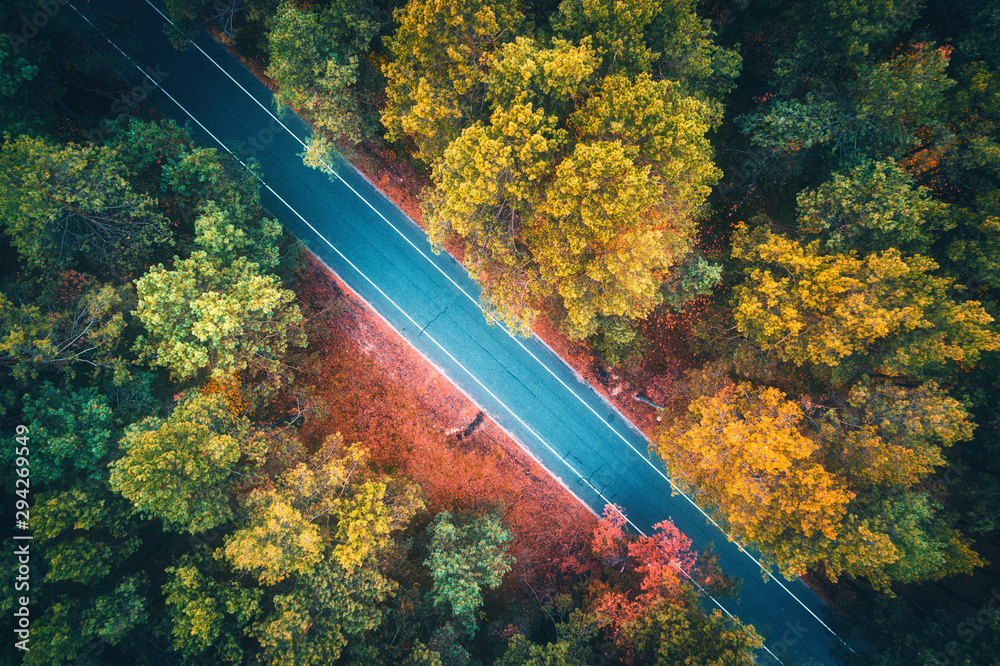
pixel 432 321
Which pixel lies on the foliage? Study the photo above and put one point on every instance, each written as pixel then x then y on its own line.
pixel 743 452
pixel 85 331
pixel 837 34
pixel 572 647
pixel 617 342
pixel 875 206
pixel 73 431
pixel 644 35
pixel 879 113
pixel 67 205
pixel 117 613
pixel 223 319
pixel 691 278
pixel 290 527
pixel 820 308
pixel 206 610
pixel 314 56
pixel 464 558
pixel 180 469
pixel 441 53
pixel 671 634
pixel 312 622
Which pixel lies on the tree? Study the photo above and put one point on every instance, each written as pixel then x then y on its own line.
pixel 313 621
pixel 484 183
pixel 891 437
pixel 878 114
pixel 873 207
pixel 15 69
pixel 181 469
pixel 639 36
pixel 820 308
pixel 115 614
pixel 618 30
pixel 207 611
pixel 743 452
pixel 73 430
pixel 314 59
pixel 834 35
pixel 317 514
pixel 223 319
pixel 597 229
pixel 225 237
pixel 86 331
pixel 663 559
pixel 691 278
pixel 596 248
pixel 464 558
pixel 572 647
pixel 67 205
pixel 670 634
pixel 441 53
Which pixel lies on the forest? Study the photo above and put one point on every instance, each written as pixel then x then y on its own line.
pixel 787 213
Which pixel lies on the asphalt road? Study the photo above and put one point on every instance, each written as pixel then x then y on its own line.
pixel 431 301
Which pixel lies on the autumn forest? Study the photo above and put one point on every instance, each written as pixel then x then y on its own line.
pixel 777 222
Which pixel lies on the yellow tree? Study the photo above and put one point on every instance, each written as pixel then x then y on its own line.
pixel 206 316
pixel 743 452
pixel 182 469
pixel 441 53
pixel 319 513
pixel 810 307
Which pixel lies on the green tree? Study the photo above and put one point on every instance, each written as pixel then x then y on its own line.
pixel 465 557
pixel 73 431
pixel 874 206
pixel 206 610
pixel 667 634
pixel 878 113
pixel 314 59
pixel 573 646
pixel 834 35
pixel 691 278
pixel 181 469
pixel 115 614
pixel 223 319
pixel 69 205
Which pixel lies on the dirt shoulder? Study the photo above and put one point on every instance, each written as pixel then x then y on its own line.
pixel 378 391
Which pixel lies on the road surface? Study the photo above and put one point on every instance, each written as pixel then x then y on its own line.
pixel 430 300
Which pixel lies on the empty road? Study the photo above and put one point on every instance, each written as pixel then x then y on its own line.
pixel 430 300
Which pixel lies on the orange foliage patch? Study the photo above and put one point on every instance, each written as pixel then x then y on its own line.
pixel 381 393
pixel 236 401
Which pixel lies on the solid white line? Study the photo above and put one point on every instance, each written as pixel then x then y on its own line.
pixel 515 338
